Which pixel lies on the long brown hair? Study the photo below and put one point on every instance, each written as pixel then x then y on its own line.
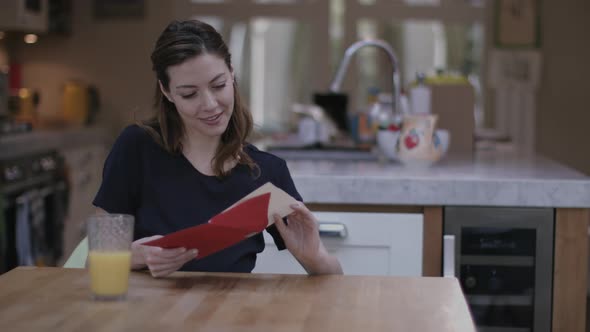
pixel 182 40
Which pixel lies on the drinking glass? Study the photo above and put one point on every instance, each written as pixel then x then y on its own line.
pixel 109 257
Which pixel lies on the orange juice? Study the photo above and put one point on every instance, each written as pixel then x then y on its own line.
pixel 109 272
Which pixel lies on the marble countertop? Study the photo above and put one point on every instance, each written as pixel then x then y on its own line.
pixel 491 178
pixel 36 141
pixel 488 179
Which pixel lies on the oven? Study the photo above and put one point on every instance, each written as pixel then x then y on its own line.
pixel 33 201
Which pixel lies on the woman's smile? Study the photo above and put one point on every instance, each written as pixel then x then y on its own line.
pixel 212 120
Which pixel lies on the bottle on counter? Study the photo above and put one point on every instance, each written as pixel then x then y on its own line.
pixel 421 96
pixel 381 113
pixel 363 132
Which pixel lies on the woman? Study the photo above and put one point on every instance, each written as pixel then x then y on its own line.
pixel 191 161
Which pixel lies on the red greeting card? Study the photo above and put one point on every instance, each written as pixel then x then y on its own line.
pixel 250 215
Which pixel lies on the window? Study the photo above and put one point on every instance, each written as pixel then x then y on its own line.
pixel 285 50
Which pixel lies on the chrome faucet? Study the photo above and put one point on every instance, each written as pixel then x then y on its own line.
pixel 352 49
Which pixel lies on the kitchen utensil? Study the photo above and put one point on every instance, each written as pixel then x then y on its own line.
pixel 314 126
pixel 387 141
pixel 23 106
pixel 335 105
pixel 75 101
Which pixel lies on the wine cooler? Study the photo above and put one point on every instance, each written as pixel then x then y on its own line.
pixel 504 260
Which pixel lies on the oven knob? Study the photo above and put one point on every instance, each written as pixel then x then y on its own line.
pixel 470 282
pixel 12 173
pixel 48 163
pixel 494 283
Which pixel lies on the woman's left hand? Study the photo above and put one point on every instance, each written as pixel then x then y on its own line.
pixel 301 233
pixel 302 238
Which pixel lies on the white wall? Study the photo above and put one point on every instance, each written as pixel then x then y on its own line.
pixel 563 120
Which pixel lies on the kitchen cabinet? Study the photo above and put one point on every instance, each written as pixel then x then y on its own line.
pixel 84 164
pixel 366 243
pixel 25 16
pixel 492 178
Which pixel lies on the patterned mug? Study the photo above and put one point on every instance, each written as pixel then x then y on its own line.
pixel 419 143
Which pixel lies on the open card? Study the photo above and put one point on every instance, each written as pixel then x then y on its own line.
pixel 248 216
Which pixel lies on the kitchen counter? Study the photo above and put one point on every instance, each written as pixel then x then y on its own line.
pixel 489 179
pixel 35 141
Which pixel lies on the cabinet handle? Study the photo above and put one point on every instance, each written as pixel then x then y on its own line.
pixel 449 256
pixel 333 229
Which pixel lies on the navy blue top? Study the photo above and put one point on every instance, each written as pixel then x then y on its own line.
pixel 166 193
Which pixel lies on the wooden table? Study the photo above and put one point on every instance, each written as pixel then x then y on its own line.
pixel 56 299
pixel 570 255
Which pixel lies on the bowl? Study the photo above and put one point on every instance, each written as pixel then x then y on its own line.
pixel 387 141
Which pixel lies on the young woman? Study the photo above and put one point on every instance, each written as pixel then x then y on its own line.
pixel 191 161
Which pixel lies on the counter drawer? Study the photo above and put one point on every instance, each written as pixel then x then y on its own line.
pixel 365 244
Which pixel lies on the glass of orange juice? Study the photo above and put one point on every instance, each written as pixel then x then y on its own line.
pixel 109 257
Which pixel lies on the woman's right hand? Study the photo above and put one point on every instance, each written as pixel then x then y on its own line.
pixel 161 262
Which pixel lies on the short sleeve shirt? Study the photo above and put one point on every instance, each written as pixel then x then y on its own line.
pixel 166 193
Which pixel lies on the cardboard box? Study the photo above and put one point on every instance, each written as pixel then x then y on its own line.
pixel 455 104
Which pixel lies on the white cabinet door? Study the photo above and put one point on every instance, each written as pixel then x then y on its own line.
pixel 374 244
